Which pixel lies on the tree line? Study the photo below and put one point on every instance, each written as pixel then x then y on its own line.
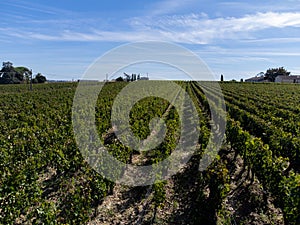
pixel 269 75
pixel 272 73
pixel 18 75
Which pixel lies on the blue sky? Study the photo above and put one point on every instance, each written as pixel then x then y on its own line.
pixel 236 38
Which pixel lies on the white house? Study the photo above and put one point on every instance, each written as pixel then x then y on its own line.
pixel 288 79
pixel 255 79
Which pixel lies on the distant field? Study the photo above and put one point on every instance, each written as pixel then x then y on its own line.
pixel 254 180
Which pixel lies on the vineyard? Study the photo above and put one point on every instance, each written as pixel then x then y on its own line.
pixel 254 179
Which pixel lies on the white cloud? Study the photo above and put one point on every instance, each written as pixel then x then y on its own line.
pixel 30 7
pixel 249 53
pixel 242 7
pixel 169 6
pixel 192 28
pixel 199 29
pixel 274 40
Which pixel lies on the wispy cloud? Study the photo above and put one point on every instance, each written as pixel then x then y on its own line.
pixel 192 28
pixel 200 29
pixel 274 40
pixel 248 53
pixel 169 6
pixel 30 7
pixel 258 6
pixel 67 35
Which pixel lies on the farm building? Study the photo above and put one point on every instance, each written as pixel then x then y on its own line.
pixel 288 79
pixel 144 78
pixel 255 79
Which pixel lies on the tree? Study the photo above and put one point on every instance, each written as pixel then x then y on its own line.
pixel 11 75
pixel 133 77
pixel 25 72
pixel 127 77
pixel 39 78
pixel 260 74
pixel 272 73
pixel 120 79
pixel 222 77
